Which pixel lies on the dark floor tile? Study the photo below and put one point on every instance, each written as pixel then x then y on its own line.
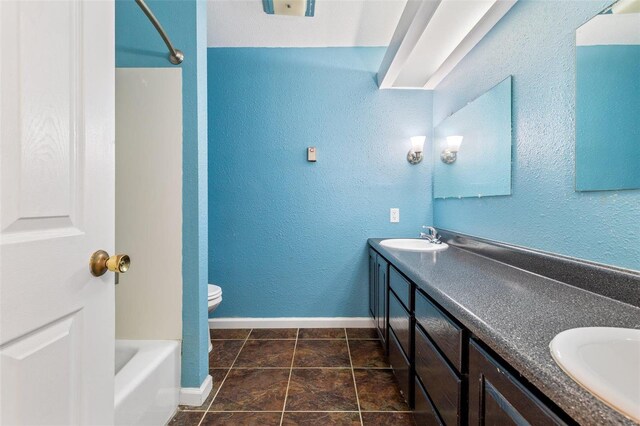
pixel 266 353
pixel 379 391
pixel 362 333
pixel 322 353
pixel 242 419
pixel 321 333
pixel 367 353
pixel 218 376
pixel 385 419
pixel 186 418
pixel 321 390
pixel 315 419
pixel 224 352
pixel 273 333
pixel 229 333
pixel 252 390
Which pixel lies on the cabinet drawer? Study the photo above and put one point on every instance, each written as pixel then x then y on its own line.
pixel 498 398
pixel 441 382
pixel 448 337
pixel 401 287
pixel 400 322
pixel 424 413
pixel 400 365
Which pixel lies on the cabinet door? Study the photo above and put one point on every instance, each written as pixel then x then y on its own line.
pixel 382 282
pixel 372 282
pixel 498 398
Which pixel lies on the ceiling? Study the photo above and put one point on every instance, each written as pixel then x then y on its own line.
pixel 242 23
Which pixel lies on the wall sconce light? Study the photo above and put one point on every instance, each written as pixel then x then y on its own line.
pixel 450 153
pixel 417 146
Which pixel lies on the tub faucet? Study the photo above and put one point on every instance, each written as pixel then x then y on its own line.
pixel 431 235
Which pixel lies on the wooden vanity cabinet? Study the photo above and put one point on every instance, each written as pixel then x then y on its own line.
pixel 496 397
pixel 378 290
pixel 442 384
pixel 401 332
pixel 372 282
pixel 446 375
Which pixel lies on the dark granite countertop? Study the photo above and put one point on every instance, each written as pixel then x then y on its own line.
pixel 517 313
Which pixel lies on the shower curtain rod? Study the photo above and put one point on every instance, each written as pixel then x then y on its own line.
pixel 175 55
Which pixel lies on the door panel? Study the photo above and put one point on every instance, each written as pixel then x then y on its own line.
pixel 52 353
pixel 56 208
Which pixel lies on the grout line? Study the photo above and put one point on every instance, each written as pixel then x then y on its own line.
pixel 305 338
pixel 286 394
pixel 337 411
pixel 298 411
pixel 295 368
pixel 245 411
pixel 353 375
pixel 225 378
pixel 303 368
pixel 284 338
pixel 323 338
pixel 272 338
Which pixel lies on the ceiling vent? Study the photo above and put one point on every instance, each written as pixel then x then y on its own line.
pixel 289 7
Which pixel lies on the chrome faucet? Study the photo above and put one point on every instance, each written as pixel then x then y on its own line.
pixel 431 235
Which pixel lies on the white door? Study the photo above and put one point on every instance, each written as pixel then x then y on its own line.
pixel 56 208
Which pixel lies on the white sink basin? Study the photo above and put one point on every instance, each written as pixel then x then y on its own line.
pixel 605 361
pixel 409 244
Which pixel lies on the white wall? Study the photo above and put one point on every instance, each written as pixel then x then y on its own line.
pixel 149 202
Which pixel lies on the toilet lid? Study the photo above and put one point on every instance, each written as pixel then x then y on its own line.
pixel 214 291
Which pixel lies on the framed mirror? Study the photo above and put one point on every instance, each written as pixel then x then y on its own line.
pixel 608 99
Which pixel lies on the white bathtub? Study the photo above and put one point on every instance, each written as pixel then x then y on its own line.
pixel 147 381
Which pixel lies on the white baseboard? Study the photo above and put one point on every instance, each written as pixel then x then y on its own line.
pixel 196 396
pixel 289 322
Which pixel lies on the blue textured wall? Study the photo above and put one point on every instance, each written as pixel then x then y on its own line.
pixel 535 42
pixel 288 237
pixel 608 117
pixel 139 45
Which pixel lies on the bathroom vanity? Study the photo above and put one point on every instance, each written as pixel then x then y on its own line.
pixel 468 336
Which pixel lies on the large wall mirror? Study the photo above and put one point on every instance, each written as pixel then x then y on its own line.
pixel 472 155
pixel 608 99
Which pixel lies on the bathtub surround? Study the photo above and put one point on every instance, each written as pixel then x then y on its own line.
pixel 535 43
pixel 138 45
pixel 288 237
pixel 148 226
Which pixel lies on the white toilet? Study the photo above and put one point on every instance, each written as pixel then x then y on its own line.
pixel 214 299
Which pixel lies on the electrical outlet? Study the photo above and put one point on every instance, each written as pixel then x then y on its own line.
pixel 394 215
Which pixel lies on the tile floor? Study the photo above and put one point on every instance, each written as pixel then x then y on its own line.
pixel 306 376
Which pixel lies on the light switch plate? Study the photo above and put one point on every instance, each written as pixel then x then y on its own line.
pixel 311 154
pixel 394 215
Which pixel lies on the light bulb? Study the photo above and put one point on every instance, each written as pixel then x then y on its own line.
pixel 453 143
pixel 417 142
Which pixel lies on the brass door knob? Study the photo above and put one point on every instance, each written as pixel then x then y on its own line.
pixel 100 262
